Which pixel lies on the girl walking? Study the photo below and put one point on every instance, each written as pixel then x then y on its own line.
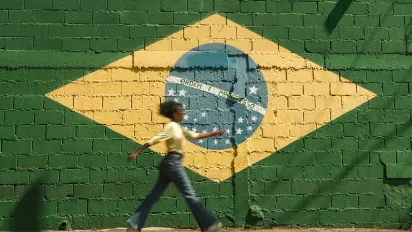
pixel 172 170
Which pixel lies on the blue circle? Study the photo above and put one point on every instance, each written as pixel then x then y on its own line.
pixel 228 69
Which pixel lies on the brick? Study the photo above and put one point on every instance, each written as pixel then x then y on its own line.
pixel 7 132
pixel 143 31
pixel 275 32
pixel 102 145
pixel 382 129
pixel 398 171
pixel 72 207
pixel 345 201
pixel 184 18
pixel 1 117
pixel 51 146
pixel 371 171
pixel 44 176
pixel 326 158
pixel 279 7
pixel 19 44
pixel 304 7
pixel 321 33
pixel 252 6
pixel 88 31
pixel 93 161
pixel 28 102
pixel 7 192
pixel 60 131
pixel 6 102
pixel 317 46
pixel 392 21
pixel 77 146
pixel 117 190
pixel 289 202
pixel 78 17
pixel 48 117
pixel 102 206
pixel 301 33
pixel 293 45
pixel 4 16
pixel 368 46
pixel 48 44
pixel 226 6
pixel 74 176
pixel 393 46
pixel 86 131
pixel 173 5
pixel 133 17
pixel 200 5
pixel 397 143
pixel 62 30
pixel 351 33
pixel 355 157
pixel 66 4
pixel 356 129
pixel 93 4
pixel 265 19
pixel 31 131
pixel 395 116
pixel 372 201
pixel 10 29
pixel 31 161
pixel 372 33
pixel 52 192
pixel 14 177
pixel 106 18
pixel 317 202
pixel 404 157
pixel 291 19
pixel 12 4
pixel 38 4
pixel 285 173
pixel 345 144
pixel 103 45
pixel 162 18
pixel 164 31
pixel 130 44
pixel 76 44
pixel 88 191
pixel 367 20
pixel 314 20
pixel 8 162
pixel 21 16
pixel 343 46
pixel 60 161
pixel 17 147
pixel 34 30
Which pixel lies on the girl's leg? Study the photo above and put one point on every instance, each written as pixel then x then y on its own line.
pixel 179 176
pixel 138 219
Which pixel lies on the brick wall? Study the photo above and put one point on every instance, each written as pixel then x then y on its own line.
pixel 63 148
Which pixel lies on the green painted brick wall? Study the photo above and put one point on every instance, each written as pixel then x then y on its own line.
pixel 355 171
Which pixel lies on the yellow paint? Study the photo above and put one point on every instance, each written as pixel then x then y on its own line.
pixel 303 96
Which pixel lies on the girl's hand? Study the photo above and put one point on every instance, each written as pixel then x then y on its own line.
pixel 132 156
pixel 219 133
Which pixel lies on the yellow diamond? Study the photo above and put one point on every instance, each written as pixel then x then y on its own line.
pixel 125 95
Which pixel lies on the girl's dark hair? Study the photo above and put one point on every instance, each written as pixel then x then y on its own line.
pixel 168 108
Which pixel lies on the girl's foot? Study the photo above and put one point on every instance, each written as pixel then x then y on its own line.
pixel 215 227
pixel 132 226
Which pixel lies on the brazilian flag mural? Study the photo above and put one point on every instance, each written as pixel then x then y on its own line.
pixel 314 97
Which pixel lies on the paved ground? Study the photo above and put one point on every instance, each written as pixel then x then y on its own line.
pixel 246 230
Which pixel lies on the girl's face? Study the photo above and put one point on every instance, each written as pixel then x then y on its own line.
pixel 178 115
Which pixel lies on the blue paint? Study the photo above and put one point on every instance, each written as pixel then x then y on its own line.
pixel 227 69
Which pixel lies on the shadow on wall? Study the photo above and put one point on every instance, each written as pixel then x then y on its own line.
pixel 26 214
pixel 336 15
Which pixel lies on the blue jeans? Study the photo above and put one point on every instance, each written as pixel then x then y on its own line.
pixel 172 170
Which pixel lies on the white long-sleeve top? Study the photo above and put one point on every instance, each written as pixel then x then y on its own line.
pixel 175 136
